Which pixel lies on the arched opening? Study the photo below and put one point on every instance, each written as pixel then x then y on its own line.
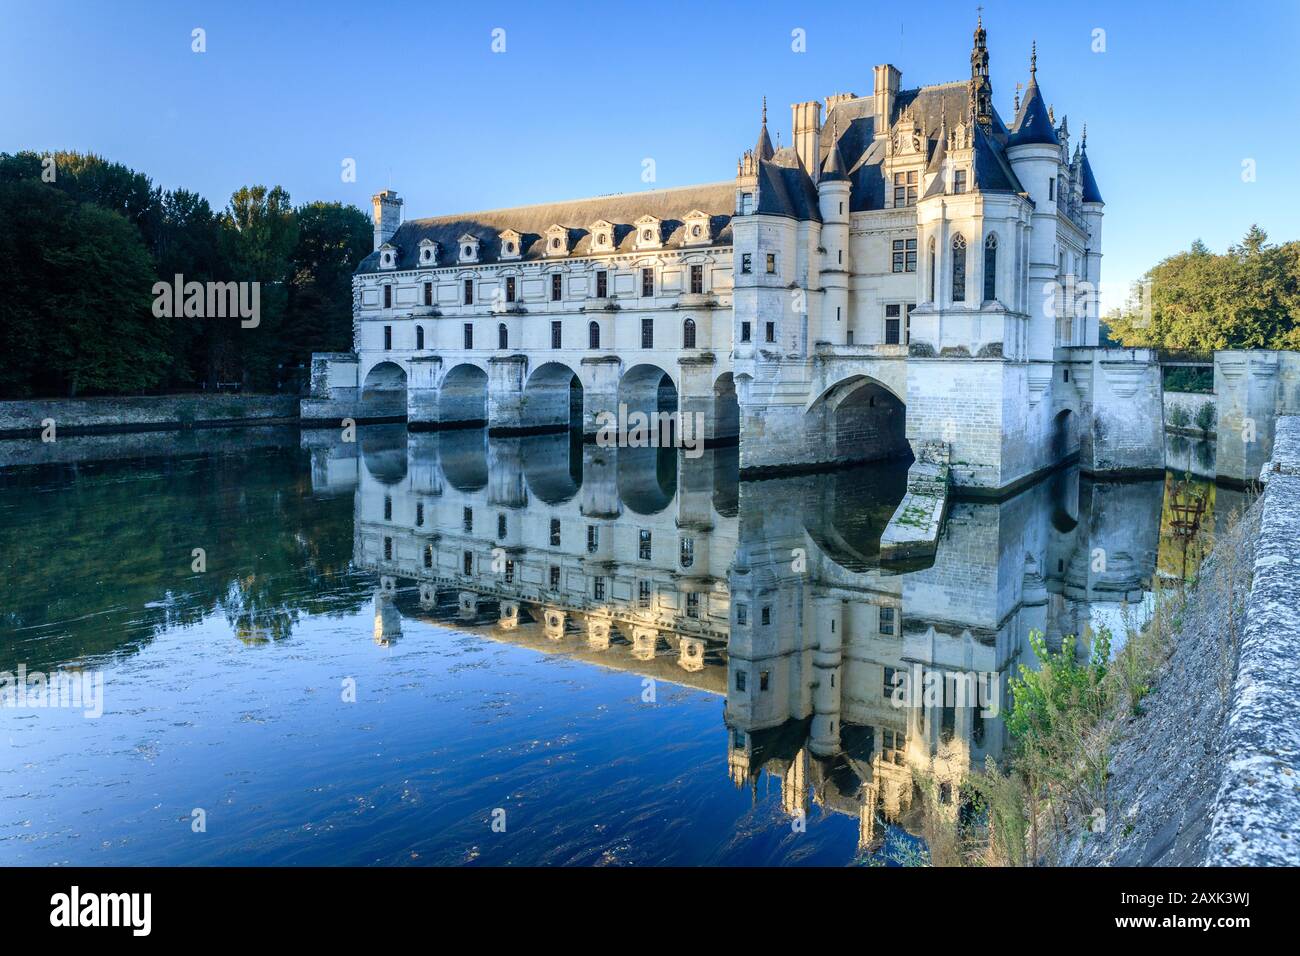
pixel 726 409
pixel 383 451
pixel 1062 441
pixel 419 338
pixel 384 378
pixel 858 419
pixel 650 397
pixel 688 334
pixel 959 268
pixel 383 393
pixel 849 510
pixel 503 336
pixel 552 398
pixel 462 400
pixel 593 334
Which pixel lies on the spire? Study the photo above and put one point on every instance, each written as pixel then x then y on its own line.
pixel 979 87
pixel 1090 191
pixel 1034 123
pixel 833 168
pixel 763 149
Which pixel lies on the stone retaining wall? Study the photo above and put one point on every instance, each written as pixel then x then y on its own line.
pixel 1257 807
pixel 73 416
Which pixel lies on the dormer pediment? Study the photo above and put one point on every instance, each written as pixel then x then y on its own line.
pixel 428 254
pixel 388 256
pixel 602 236
pixel 649 233
pixel 698 228
pixel 512 244
pixel 557 240
pixel 469 245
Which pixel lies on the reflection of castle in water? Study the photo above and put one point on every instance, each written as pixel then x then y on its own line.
pixel 767 592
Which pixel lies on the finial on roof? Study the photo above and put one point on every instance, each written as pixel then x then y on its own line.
pixel 1051 114
pixel 1033 60
pixel 1083 137
pixel 979 20
pixel 1018 86
pixel 764 110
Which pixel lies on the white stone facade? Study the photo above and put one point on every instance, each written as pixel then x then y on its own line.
pixel 896 276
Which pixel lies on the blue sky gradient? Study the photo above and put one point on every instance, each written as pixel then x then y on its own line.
pixel 586 91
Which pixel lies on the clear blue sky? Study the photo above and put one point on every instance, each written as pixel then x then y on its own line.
pixel 585 91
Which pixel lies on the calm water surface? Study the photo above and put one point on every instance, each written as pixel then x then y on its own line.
pixel 626 657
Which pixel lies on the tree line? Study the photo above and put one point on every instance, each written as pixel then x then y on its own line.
pixel 83 242
pixel 1200 301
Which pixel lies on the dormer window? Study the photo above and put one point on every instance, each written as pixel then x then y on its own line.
pixel 387 256
pixel 697 227
pixel 958 181
pixel 557 241
pixel 648 235
pixel 469 248
pixel 428 252
pixel 602 236
pixel 511 244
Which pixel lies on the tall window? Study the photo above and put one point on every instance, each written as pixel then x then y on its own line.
pixel 510 288
pixel 555 532
pixel 598 589
pixel 959 268
pixel 769 332
pixel 501 526
pixel 746 203
pixel 688 334
pixel 746 262
pixel 388 337
pixel 388 297
pixel 469 291
pixel 990 267
pixel 555 334
pixel 959 180
pixel 697 279
pixel 771 263
pixel 893 324
pixel 643 551
pixel 934 266
pixel 593 538
pixel 467 520
pixel 557 286
pixel 419 336
pixel 469 335
pixel 904 255
pixel 745 333
pixel 643 594
pixel 905 188
pixel 428 293
pixel 688 552
pixel 647 282
pixel 503 336
pixel 593 335
pixel 647 333
pixel 602 285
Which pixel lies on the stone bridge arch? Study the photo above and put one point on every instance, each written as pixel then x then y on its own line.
pixel 858 418
pixel 463 396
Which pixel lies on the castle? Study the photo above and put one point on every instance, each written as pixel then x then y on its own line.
pixel 902 274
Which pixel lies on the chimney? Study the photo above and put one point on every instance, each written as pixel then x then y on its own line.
pixel 886 92
pixel 388 215
pixel 806 121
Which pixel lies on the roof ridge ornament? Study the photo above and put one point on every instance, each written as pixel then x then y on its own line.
pixel 1033 60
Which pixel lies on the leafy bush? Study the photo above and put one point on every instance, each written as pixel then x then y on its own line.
pixel 1179 416
pixel 1206 417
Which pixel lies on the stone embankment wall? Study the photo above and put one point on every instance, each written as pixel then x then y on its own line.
pixel 83 416
pixel 1257 808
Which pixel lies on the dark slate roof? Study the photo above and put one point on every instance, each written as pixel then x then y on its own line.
pixel 531 222
pixel 1032 124
pixel 784 189
pixel 1090 191
pixel 930 105
pixel 833 167
pixel 993 172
